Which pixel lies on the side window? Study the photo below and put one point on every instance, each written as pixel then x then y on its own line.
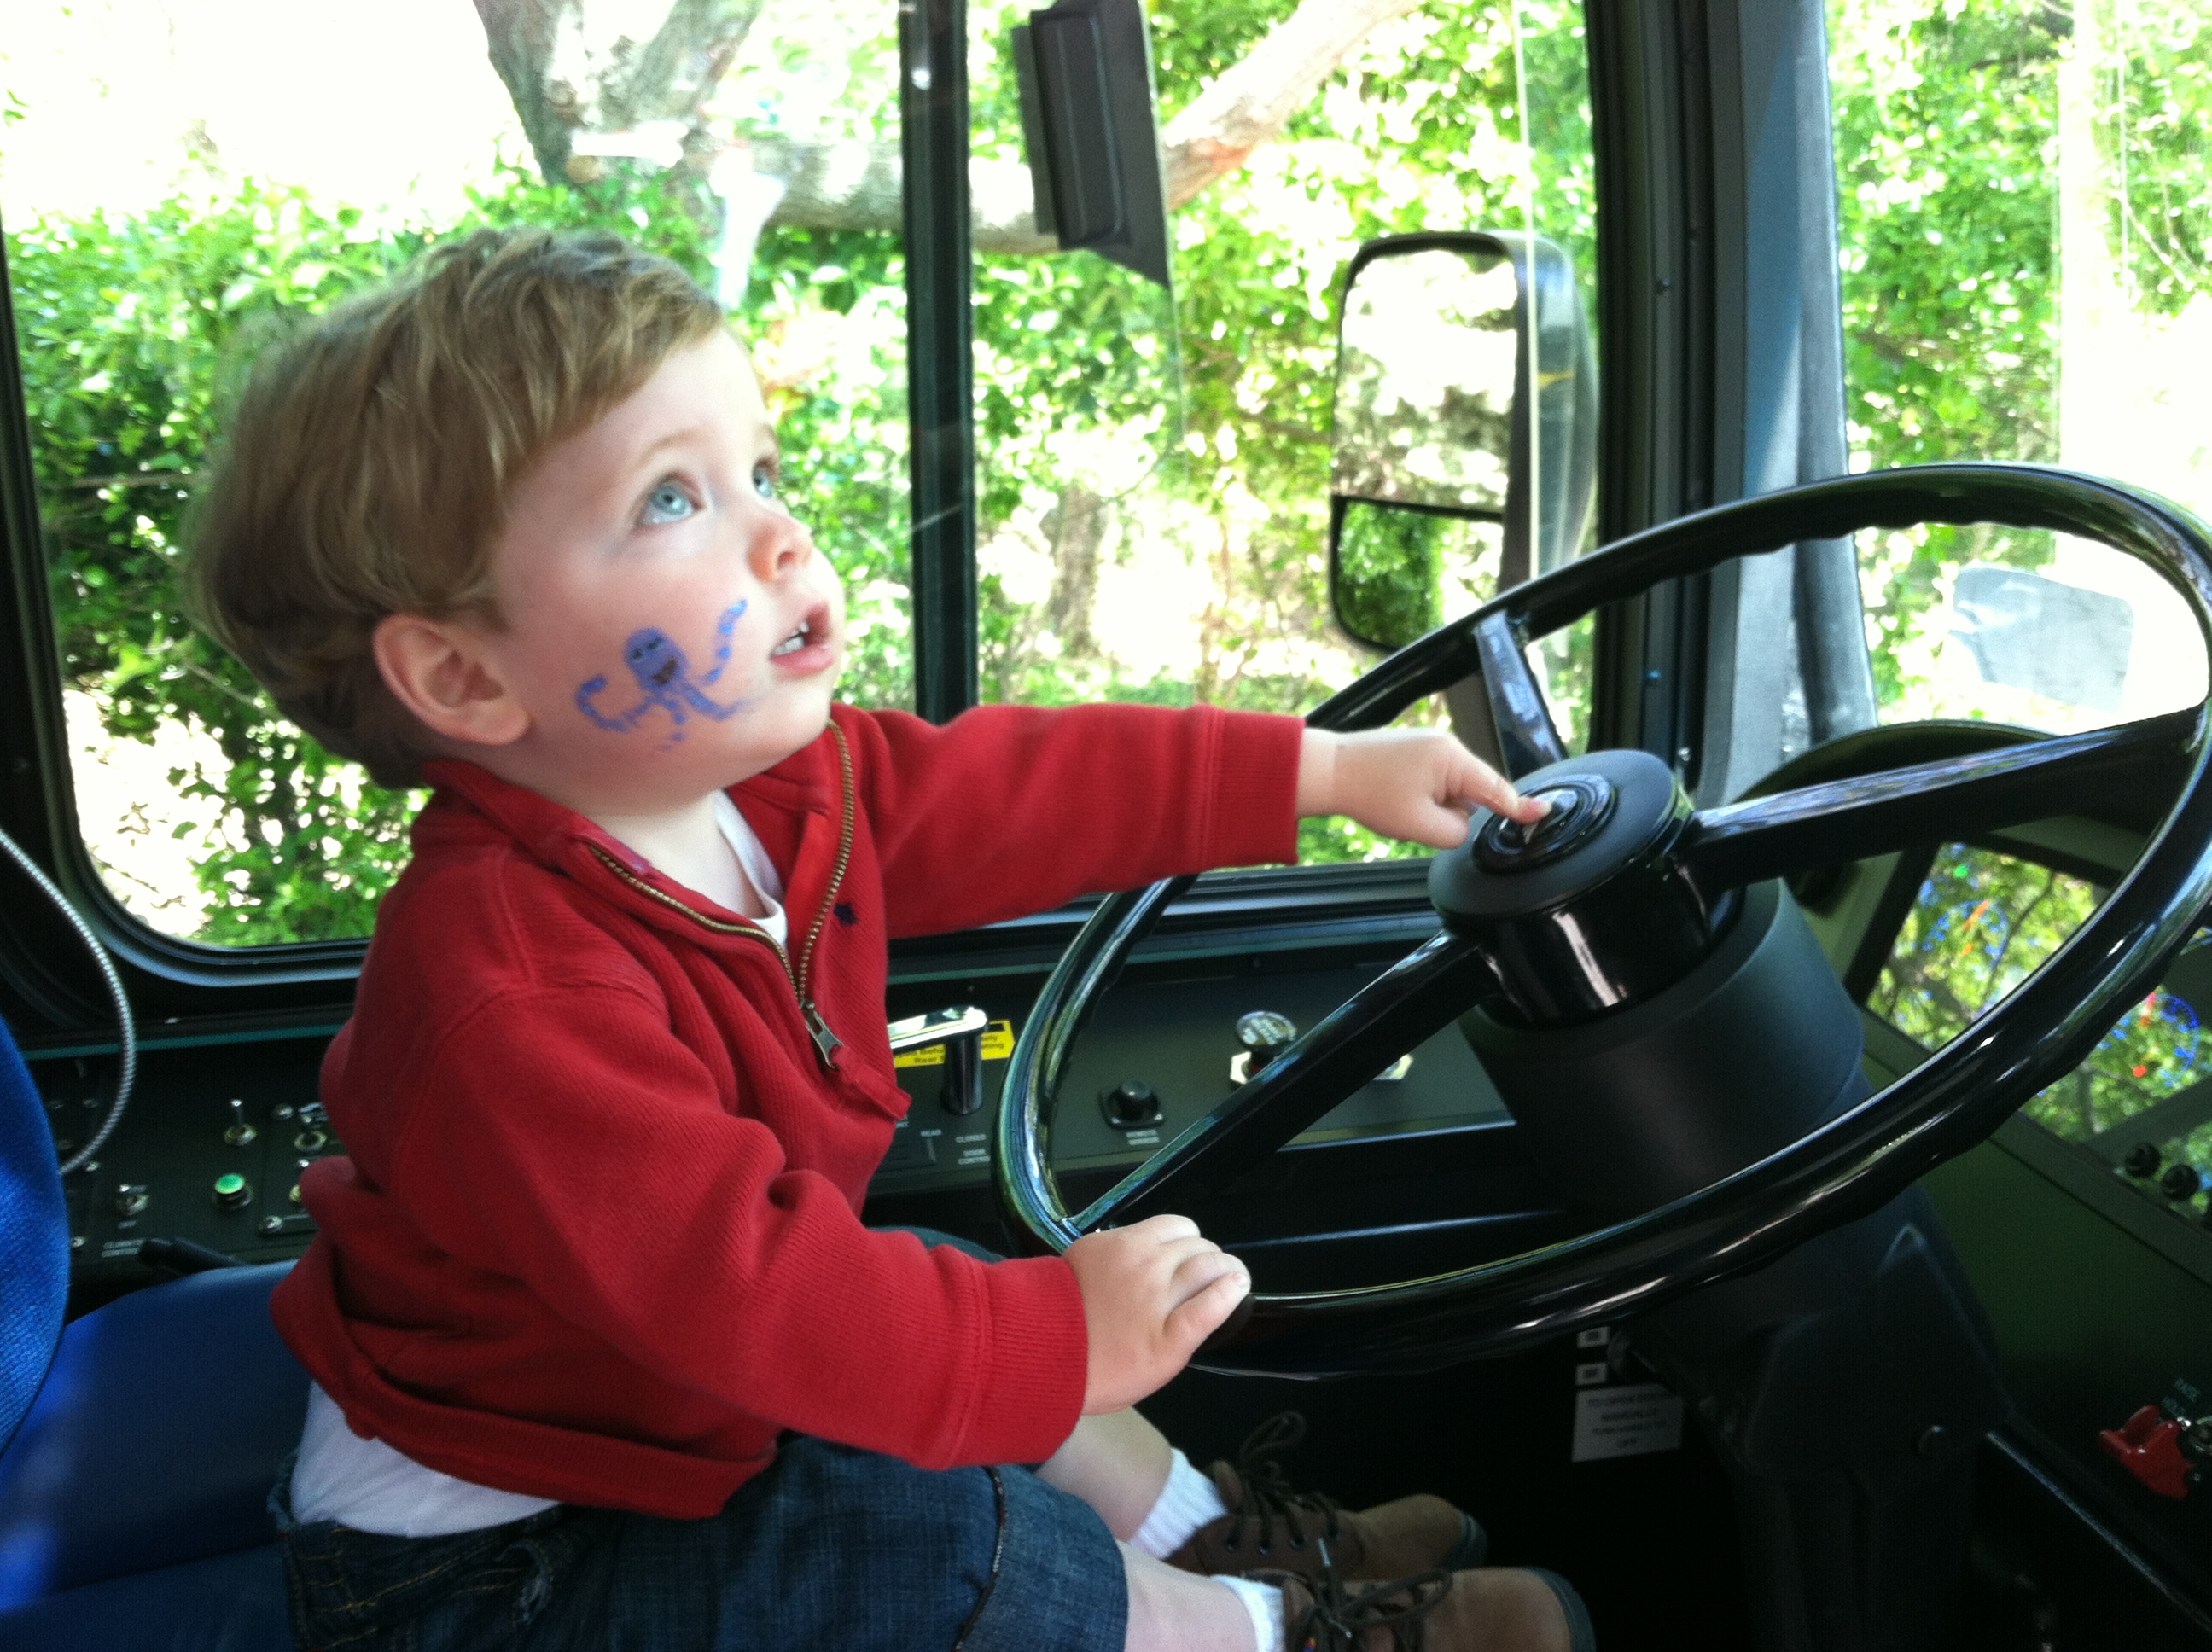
pixel 2026 195
pixel 1153 468
pixel 2137 1105
pixel 174 192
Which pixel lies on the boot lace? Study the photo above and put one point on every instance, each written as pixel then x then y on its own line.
pixel 1338 1621
pixel 1272 1512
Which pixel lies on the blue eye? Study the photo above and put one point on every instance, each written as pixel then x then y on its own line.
pixel 667 503
pixel 764 479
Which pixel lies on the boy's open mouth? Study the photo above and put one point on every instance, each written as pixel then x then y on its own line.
pixel 796 640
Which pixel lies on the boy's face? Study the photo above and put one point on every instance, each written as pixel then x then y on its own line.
pixel 669 628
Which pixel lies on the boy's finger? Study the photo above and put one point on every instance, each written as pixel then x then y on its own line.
pixel 1199 1274
pixel 1485 788
pixel 1196 1319
pixel 1166 1229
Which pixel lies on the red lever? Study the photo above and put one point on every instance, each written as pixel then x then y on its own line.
pixel 2148 1446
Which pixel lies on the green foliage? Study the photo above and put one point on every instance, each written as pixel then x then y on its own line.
pixel 1222 404
pixel 1215 405
pixel 1947 164
pixel 129 326
pixel 1390 572
pixel 133 327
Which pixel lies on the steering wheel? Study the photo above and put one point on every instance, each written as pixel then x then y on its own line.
pixel 1623 888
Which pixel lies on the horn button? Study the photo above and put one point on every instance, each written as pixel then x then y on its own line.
pixel 1580 804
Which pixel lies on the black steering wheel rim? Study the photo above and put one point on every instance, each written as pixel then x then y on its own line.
pixel 1853 1165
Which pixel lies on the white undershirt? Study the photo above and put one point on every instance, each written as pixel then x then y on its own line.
pixel 371 1487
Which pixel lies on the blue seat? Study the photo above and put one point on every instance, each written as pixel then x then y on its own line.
pixel 133 1494
pixel 33 1241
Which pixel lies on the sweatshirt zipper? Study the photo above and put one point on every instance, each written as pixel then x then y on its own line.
pixel 826 1043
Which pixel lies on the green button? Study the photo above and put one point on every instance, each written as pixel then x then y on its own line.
pixel 229 1186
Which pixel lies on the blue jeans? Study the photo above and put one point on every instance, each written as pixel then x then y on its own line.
pixel 831 1546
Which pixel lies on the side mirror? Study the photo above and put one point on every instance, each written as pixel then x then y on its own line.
pixel 1465 427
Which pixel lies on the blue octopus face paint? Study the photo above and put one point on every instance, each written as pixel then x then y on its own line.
pixel 664 675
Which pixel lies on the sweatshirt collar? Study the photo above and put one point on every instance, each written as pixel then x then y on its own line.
pixel 562 840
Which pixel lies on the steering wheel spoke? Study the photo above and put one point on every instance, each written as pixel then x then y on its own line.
pixel 1526 739
pixel 1843 820
pixel 1393 1013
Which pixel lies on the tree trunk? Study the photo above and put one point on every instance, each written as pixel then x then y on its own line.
pixel 575 67
pixel 1251 103
pixel 2093 395
pixel 1078 527
pixel 572 71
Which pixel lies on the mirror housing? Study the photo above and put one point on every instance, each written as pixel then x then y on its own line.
pixel 1465 393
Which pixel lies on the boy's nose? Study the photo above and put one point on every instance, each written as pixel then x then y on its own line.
pixel 783 547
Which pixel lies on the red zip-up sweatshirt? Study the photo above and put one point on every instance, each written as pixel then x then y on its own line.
pixel 597 1236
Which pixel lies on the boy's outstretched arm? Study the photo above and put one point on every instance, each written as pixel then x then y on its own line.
pixel 1413 783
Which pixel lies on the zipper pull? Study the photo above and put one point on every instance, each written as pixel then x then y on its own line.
pixel 826 1044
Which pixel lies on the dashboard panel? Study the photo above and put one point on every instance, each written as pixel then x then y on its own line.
pixel 1417 1169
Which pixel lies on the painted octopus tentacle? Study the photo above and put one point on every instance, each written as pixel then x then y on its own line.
pixel 591 691
pixel 723 627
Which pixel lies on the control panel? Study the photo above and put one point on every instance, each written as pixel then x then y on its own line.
pixel 1158 1057
pixel 207 1162
pixel 208 1156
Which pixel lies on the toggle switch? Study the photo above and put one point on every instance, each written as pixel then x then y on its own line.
pixel 2149 1446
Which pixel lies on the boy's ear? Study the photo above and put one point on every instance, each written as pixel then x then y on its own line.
pixel 435 669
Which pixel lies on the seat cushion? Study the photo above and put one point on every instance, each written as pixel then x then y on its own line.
pixel 155 1439
pixel 228 1603
pixel 33 1241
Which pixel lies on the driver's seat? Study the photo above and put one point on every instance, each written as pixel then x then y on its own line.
pixel 134 1494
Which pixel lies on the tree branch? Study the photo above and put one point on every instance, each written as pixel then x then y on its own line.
pixel 1251 103
pixel 571 67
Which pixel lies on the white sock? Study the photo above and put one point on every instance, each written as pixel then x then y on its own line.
pixel 1263 1604
pixel 1186 1502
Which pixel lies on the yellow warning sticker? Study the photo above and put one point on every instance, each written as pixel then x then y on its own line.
pixel 998 1045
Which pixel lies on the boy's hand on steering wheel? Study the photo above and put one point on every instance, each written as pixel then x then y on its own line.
pixel 1151 1293
pixel 1413 783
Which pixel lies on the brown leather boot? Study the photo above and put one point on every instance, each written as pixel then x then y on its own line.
pixel 1495 1609
pixel 1269 1525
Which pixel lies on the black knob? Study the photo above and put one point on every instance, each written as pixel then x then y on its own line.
pixel 2181 1181
pixel 2143 1160
pixel 1130 1104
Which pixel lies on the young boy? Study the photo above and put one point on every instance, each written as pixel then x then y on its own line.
pixel 603 1355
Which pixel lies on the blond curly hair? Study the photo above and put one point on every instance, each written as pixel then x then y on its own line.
pixel 366 464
